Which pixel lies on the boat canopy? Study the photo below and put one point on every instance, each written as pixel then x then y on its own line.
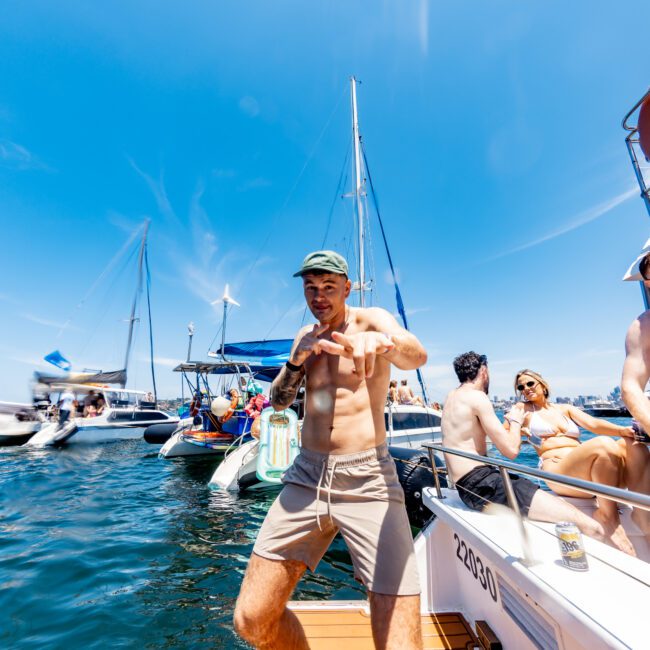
pixel 263 372
pixel 261 349
pixel 110 377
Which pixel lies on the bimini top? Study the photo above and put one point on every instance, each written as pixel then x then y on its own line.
pixel 110 377
pixel 268 354
pixel 264 373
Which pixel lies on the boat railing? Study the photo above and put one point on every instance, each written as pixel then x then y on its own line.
pixel 627 497
pixel 634 499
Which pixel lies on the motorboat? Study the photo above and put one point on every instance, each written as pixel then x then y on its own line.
pixel 604 409
pixel 213 433
pixel 18 423
pixel 497 580
pixel 120 412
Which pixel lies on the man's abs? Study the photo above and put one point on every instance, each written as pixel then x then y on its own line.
pixel 344 413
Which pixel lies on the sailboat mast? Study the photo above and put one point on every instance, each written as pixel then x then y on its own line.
pixel 138 291
pixel 358 192
pixel 223 326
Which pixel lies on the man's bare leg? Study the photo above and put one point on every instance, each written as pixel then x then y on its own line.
pixel 546 507
pixel 395 622
pixel 261 614
pixel 637 478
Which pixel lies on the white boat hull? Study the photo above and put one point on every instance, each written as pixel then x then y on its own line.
pixel 238 469
pixel 177 447
pixel 13 432
pixel 51 434
pixel 468 562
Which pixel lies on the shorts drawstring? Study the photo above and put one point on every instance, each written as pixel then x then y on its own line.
pixel 328 488
pixel 318 487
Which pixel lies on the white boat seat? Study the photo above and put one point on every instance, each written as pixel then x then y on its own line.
pixel 601 602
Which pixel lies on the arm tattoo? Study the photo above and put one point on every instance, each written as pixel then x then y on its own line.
pixel 285 387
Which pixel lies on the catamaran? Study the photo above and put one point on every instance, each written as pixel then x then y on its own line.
pixel 124 413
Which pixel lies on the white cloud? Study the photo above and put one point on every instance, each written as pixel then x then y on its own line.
pixel 157 188
pixel 423 27
pixel 581 219
pixel 16 156
pixel 48 323
pixel 166 362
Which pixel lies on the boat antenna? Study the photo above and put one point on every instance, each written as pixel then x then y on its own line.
pixel 638 142
pixel 227 300
pixel 359 193
pixel 138 291
pixel 190 331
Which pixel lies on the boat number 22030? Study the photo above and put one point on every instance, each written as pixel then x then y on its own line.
pixel 473 563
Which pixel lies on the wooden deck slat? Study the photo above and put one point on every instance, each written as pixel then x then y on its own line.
pixel 349 629
pixel 331 630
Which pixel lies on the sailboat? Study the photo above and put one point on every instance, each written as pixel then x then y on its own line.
pixel 125 413
pixel 407 425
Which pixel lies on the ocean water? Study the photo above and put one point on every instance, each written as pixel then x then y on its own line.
pixel 108 546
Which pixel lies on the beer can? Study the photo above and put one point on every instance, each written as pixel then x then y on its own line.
pixel 640 434
pixel 571 546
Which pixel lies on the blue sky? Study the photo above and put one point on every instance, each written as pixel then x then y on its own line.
pixel 493 136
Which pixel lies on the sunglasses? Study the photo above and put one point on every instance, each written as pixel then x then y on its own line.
pixel 528 384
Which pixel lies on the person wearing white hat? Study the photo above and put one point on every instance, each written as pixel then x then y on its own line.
pixel 640 269
pixel 636 373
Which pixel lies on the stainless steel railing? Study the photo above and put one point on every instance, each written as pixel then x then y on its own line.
pixel 635 499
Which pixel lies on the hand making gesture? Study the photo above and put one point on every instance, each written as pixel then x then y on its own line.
pixel 362 348
pixel 309 344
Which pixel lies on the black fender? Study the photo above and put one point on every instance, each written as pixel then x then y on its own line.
pixel 414 473
pixel 159 434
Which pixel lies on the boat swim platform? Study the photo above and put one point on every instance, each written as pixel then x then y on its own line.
pixel 345 625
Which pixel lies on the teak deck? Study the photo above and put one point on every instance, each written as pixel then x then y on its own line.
pixel 348 628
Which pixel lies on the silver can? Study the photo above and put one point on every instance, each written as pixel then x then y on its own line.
pixel 571 546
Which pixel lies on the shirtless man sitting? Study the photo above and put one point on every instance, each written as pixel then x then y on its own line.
pixel 344 478
pixel 468 420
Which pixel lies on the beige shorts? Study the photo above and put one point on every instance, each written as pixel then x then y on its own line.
pixel 357 494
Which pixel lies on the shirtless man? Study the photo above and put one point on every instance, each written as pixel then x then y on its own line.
pixel 468 420
pixel 344 478
pixel 636 372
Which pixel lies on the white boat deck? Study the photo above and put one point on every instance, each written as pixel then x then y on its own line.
pixel 608 603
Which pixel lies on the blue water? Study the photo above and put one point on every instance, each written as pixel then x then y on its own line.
pixel 108 546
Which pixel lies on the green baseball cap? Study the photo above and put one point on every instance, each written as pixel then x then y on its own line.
pixel 328 261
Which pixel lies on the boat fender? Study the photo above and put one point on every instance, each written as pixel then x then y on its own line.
pixel 231 410
pixel 414 473
pixel 159 434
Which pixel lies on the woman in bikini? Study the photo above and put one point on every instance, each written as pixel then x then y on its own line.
pixel 552 430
